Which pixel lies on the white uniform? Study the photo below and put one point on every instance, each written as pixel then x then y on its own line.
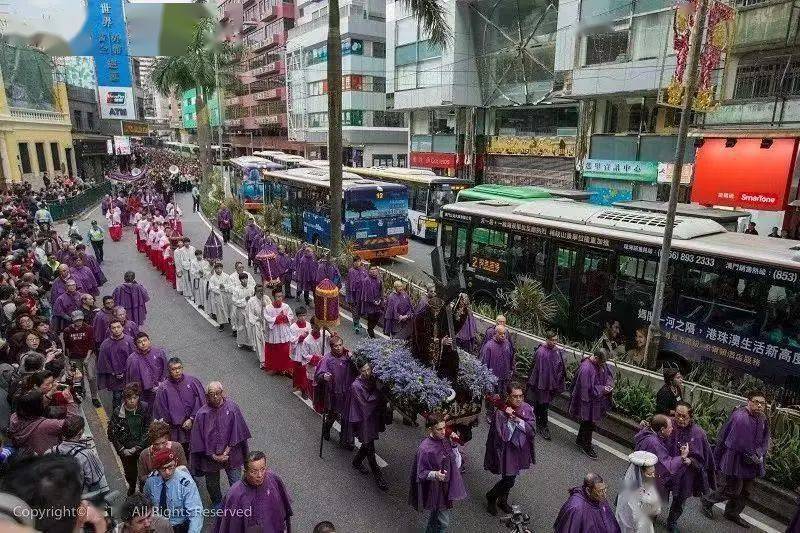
pixel 277 333
pixel 255 324
pixel 217 287
pixel 233 281
pixel 183 269
pixel 200 271
pixel 239 297
pixel 311 347
pixel 298 334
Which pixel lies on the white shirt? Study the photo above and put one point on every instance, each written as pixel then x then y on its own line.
pixel 234 280
pixel 200 268
pixel 240 295
pixel 311 347
pixel 278 333
pixel 255 309
pixel 298 332
pixel 217 282
pixel 184 257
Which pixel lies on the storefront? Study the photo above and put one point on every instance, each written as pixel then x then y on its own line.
pixel 611 181
pixel 547 160
pixel 753 174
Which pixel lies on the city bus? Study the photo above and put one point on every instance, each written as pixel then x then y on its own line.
pixel 268 154
pixel 517 193
pixel 427 193
pixel 375 213
pixel 731 298
pixel 289 160
pixel 246 181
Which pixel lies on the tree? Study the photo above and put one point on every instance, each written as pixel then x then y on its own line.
pixel 206 62
pixel 431 16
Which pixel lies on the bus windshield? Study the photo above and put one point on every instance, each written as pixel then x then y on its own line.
pixel 441 194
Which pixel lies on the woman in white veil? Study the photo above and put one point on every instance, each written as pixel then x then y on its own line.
pixel 638 502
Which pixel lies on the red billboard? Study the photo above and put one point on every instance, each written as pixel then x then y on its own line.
pixel 744 175
pixel 434 160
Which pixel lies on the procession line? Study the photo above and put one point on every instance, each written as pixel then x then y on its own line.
pixel 381 463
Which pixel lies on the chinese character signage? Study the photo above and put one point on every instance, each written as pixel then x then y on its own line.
pixel 137 129
pixel 110 45
pixel 665 171
pixel 535 146
pixel 646 171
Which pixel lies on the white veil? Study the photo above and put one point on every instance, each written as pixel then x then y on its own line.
pixel 628 503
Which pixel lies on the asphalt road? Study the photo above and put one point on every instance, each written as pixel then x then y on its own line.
pixel 288 430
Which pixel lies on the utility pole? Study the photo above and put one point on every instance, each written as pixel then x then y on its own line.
pixel 335 124
pixel 219 106
pixel 654 332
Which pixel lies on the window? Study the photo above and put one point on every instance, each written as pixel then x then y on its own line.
pixel 429 73
pixel 90 120
pixel 354 117
pixel 454 245
pixel 382 160
pixel 55 152
pixel 318 120
pixel 490 251
pixel 378 49
pixel 77 117
pixel 605 47
pixel 25 158
pixel 402 160
pixel 721 300
pixel 418 199
pixel 650 34
pixel 317 88
pixel 528 257
pixel 764 79
pixel 40 157
pixel 405 77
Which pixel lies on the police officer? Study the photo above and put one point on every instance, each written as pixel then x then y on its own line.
pixel 174 493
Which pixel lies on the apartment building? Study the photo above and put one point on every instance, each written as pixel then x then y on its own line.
pixel 371 134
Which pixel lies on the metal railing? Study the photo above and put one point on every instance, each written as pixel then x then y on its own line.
pixel 77 204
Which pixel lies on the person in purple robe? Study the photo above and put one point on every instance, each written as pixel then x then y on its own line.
pixel 218 441
pixel 84 276
pixel 498 356
pixel 327 270
pixel 397 322
pixel 102 320
pixel 509 445
pixel 105 205
pixel 464 324
pixel 655 438
pixel 587 509
pixel 742 444
pixel 332 380
pixel 489 333
pixel 91 262
pixel 112 359
pixel 307 271
pixel 285 268
pixel 250 233
pixel 129 326
pixel 133 297
pixel 591 397
pixel 258 502
pixel 225 223
pixel 372 299
pixel 59 286
pixel 64 305
pixel 298 257
pixel 355 275
pixel 436 478
pixel 147 366
pixel 697 477
pixel 178 399
pixel 212 250
pixel 546 380
pixel 366 418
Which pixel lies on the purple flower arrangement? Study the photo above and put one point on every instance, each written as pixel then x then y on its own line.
pixel 474 377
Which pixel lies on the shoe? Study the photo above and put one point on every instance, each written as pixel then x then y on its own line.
pixel 590 451
pixel 707 508
pixel 361 467
pixel 738 520
pixel 381 483
pixel 326 435
pixel 502 504
pixel 672 528
pixel 96 402
pixel 221 327
pixel 545 433
pixel 491 504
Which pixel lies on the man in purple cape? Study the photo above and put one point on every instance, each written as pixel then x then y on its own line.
pixel 178 399
pixel 60 283
pixel 285 269
pixel 546 380
pixel 498 356
pixel 307 274
pixel 509 446
pixel 365 417
pixel 102 320
pixel 84 276
pixel 133 297
pixel 698 477
pixel 436 479
pixel 489 333
pixel 259 502
pixel 372 299
pixel 654 438
pixel 355 275
pixel 130 327
pixel 397 321
pixel 591 397
pixel 91 262
pixel 225 223
pixel 327 270
pixel 464 324
pixel 587 509
pixel 147 366
pixel 112 359
pixel 64 305
pixel 250 233
pixel 219 441
pixel 332 379
pixel 742 444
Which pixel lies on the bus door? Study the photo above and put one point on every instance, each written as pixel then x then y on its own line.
pixel 564 259
pixel 454 248
pixel 591 297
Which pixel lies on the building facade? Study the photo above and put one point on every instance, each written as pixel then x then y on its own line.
pixel 89 140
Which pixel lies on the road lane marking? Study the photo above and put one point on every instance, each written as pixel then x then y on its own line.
pixel 401 258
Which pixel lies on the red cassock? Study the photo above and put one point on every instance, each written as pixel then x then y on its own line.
pixel 276 356
pixel 162 261
pixel 116 232
pixel 171 271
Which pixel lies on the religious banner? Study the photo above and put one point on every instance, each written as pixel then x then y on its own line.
pixel 718 37
pixel 682 25
pixel 549 146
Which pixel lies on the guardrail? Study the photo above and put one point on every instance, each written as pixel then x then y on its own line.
pixel 77 204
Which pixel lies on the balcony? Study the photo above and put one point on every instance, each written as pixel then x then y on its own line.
pixel 272 94
pixel 39 116
pixel 278 39
pixel 281 11
pixel 260 46
pixel 235 100
pixel 247 3
pixel 272 120
pixel 270 68
pixel 223 13
pixel 764 25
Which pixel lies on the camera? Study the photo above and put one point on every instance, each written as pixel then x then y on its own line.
pixel 517 521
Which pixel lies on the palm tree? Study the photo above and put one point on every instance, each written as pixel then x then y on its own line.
pixel 431 16
pixel 206 63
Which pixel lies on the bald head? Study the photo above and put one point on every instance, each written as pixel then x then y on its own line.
pixel 500 333
pixel 399 285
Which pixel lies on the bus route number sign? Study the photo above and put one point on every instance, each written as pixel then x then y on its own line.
pixel 487 265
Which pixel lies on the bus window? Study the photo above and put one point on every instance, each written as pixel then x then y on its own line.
pixel 418 198
pixel 562 278
pixel 591 301
pixel 528 257
pixel 440 195
pixel 635 282
pixel 721 300
pixel 489 250
pixel 782 318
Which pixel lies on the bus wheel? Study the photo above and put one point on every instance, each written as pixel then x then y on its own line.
pixel 675 361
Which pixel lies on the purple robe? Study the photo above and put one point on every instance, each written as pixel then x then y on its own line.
pixel 100 325
pixel 589 401
pixel 548 374
pixel 213 248
pixel 336 392
pixel 326 270
pixel 214 429
pixel 284 266
pixel 581 514
pixel 59 287
pixel 130 328
pixel 371 295
pixel 509 445
pixel 742 436
pixel 148 370
pixel 307 271
pixel 91 262
pixel 434 455
pixel 699 477
pixel 669 465
pixel 63 308
pixel 499 358
pixel 367 406
pixel 250 234
pixel 269 505
pixel 176 401
pixel 465 336
pixel 296 262
pixel 224 218
pixel 133 297
pixel 397 305
pixel 85 279
pixel 354 278
pixel 112 360
pixel 489 335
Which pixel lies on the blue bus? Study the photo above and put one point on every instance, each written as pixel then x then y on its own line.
pixel 246 181
pixel 375 213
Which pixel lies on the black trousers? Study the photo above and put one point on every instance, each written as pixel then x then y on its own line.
pixel 195 204
pixel 542 411
pixel 372 321
pixel 367 451
pixel 129 468
pixel 585 431
pixel 226 234
pixel 97 246
pixel 733 489
pixel 502 488
pixel 675 511
pixel 287 287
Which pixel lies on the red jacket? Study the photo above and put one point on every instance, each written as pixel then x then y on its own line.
pixel 78 340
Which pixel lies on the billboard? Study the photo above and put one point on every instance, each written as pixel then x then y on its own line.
pixel 109 38
pixel 122 145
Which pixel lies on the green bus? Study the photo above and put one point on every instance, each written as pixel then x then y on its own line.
pixel 511 193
